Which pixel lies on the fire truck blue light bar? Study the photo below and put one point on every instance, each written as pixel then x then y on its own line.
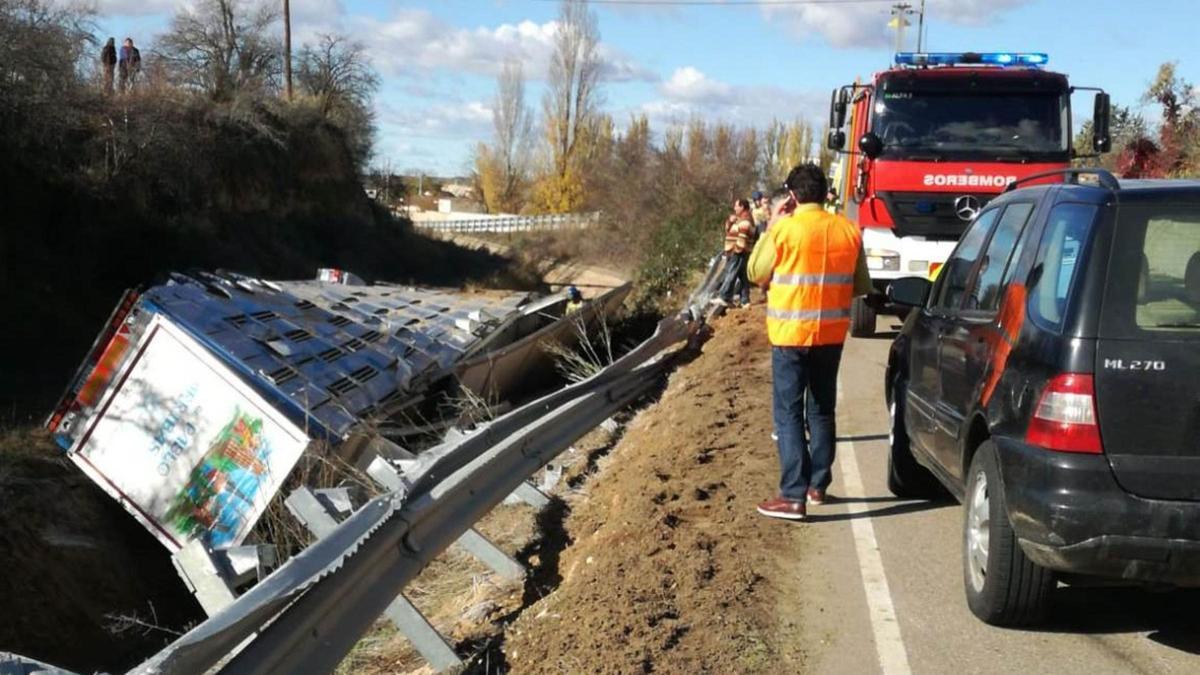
pixel 969 58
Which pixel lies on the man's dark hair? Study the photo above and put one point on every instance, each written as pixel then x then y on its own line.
pixel 743 203
pixel 808 183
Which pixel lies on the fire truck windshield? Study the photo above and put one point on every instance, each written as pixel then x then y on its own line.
pixel 951 125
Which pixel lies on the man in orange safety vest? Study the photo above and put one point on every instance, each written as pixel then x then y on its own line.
pixel 814 263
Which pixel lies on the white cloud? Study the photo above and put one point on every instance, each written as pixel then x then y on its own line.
pixel 691 93
pixel 448 120
pixel 865 24
pixel 689 85
pixel 415 42
pixel 134 7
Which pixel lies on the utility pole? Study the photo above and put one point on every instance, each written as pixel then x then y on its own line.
pixel 899 11
pixel 287 47
pixel 921 28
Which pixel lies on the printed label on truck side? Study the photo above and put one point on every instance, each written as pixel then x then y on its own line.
pixel 967 180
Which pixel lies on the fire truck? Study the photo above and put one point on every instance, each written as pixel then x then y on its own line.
pixel 937 136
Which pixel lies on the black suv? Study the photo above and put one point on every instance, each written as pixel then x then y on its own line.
pixel 1050 380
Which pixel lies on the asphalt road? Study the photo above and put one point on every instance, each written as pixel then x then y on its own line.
pixel 851 625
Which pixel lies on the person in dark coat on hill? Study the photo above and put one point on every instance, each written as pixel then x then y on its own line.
pixel 130 64
pixel 108 61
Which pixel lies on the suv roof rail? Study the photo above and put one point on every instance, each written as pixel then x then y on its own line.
pixel 1107 180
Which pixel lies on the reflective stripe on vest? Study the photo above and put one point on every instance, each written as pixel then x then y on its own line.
pixel 808 314
pixel 812 285
pixel 812 279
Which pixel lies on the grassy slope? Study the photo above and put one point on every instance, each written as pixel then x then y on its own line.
pixel 277 205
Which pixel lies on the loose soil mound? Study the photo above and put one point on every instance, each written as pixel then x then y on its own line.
pixel 671 567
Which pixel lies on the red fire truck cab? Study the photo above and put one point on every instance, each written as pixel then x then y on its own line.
pixel 937 136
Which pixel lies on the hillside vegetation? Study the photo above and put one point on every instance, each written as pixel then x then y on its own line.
pixel 106 192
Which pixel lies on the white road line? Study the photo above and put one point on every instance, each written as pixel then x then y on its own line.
pixel 893 658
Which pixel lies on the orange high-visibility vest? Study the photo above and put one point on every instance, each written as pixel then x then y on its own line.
pixel 808 304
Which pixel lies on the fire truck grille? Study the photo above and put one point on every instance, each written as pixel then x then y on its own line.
pixel 933 215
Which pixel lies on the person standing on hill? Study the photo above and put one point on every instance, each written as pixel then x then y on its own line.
pixel 814 263
pixel 761 212
pixel 108 61
pixel 739 235
pixel 130 64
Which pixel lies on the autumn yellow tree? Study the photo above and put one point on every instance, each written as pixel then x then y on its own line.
pixel 570 107
pixel 489 179
pixel 502 168
pixel 784 146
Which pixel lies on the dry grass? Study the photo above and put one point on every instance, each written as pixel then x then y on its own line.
pixel 28 443
pixel 457 594
pixel 471 409
pixel 317 469
pixel 592 352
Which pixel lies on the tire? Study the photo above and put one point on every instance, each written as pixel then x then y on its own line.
pixel 1004 588
pixel 906 478
pixel 862 319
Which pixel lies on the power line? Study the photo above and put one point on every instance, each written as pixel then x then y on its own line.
pixel 728 3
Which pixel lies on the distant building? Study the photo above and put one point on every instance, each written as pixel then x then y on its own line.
pixel 451 205
pixel 459 190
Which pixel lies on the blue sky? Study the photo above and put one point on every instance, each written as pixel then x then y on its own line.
pixel 744 64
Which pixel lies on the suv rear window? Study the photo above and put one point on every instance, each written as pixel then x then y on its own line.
pixel 1154 280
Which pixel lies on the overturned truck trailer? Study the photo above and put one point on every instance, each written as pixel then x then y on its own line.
pixel 201 394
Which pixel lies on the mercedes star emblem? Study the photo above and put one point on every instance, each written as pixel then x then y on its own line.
pixel 966 207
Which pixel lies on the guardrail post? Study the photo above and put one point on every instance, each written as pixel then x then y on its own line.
pixel 203 577
pixel 489 554
pixel 315 515
pixel 531 496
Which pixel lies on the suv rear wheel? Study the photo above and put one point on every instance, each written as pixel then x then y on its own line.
pixel 1004 588
pixel 906 478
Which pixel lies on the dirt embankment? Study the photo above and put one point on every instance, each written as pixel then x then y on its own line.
pixel 671 569
pixel 84 586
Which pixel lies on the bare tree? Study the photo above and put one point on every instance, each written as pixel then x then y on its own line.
pixel 337 75
pixel 572 97
pixel 513 123
pixel 46 52
pixel 224 47
pixel 43 49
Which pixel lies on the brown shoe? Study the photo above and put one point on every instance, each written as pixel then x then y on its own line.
pixel 817 497
pixel 779 507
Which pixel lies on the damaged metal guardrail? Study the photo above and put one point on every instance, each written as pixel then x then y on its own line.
pixel 336 589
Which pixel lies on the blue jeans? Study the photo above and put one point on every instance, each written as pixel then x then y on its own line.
pixel 735 278
pixel 805 460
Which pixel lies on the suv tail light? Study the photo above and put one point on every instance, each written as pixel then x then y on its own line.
pixel 1065 416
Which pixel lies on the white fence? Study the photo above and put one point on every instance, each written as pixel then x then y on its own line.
pixel 506 224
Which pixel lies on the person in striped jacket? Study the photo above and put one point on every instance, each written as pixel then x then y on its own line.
pixel 739 239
